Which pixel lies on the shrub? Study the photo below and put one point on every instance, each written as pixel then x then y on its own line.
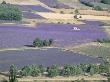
pixel 40 43
pixel 62 12
pixel 103 40
pixel 76 11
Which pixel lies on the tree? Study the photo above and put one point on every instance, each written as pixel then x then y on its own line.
pixel 4 2
pixel 12 74
pixel 76 11
pixel 66 70
pixel 53 71
pixel 50 41
pixel 10 12
pixel 92 71
pixel 37 42
pixel 108 79
pixel 41 68
pixel 78 70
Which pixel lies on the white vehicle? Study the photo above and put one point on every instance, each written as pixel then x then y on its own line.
pixel 75 28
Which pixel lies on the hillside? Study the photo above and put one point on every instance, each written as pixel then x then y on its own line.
pixel 22 2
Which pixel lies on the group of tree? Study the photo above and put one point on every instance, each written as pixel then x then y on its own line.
pixel 66 70
pixel 88 3
pixel 105 1
pixel 41 43
pixel 55 70
pixel 10 12
pixel 32 70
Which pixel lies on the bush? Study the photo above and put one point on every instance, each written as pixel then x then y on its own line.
pixel 9 12
pixel 41 43
pixel 62 12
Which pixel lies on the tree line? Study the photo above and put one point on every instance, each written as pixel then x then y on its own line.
pixel 55 70
pixel 66 70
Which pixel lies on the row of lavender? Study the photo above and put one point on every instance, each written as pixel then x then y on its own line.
pixel 54 4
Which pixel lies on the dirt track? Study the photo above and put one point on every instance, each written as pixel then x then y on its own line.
pixel 64 78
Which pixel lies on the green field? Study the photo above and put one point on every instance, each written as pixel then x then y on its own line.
pixel 94 50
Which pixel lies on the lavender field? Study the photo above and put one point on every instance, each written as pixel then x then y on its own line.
pixel 30 15
pixel 37 8
pixel 54 3
pixel 42 57
pixel 63 34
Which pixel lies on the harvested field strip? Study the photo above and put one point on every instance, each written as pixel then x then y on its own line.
pixel 56 15
pixel 71 16
pixel 93 50
pixel 58 21
pixel 24 48
pixel 96 78
pixel 93 12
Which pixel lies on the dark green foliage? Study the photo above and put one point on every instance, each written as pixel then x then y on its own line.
pixel 105 67
pixel 103 40
pixel 86 3
pixel 108 79
pixel 38 43
pixel 98 8
pixel 70 70
pixel 106 1
pixel 4 80
pixel 41 43
pixel 53 71
pixel 62 12
pixel 76 11
pixel 3 2
pixel 66 70
pixel 10 12
pixel 32 70
pixel 12 74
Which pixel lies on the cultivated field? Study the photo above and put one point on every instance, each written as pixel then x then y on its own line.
pixel 74 40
